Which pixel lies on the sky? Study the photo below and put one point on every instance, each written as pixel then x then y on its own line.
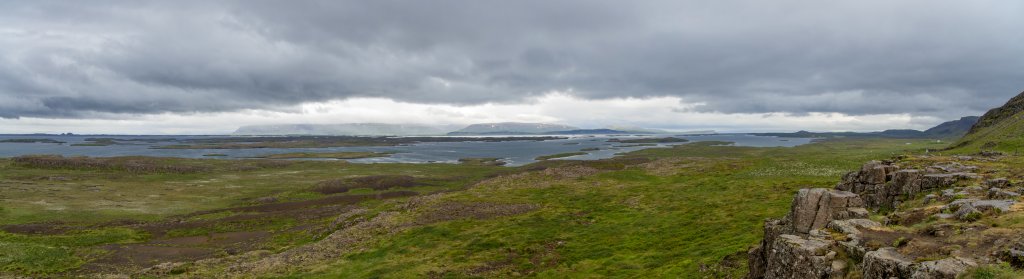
pixel 207 67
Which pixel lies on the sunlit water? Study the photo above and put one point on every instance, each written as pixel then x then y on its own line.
pixel 513 152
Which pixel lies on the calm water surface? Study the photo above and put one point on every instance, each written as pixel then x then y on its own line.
pixel 514 152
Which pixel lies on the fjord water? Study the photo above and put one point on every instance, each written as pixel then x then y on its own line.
pixel 513 152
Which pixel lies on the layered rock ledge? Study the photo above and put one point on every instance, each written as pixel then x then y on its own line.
pixel 893 219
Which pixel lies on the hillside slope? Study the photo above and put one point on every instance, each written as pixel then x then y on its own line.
pixel 1000 129
pixel 1012 107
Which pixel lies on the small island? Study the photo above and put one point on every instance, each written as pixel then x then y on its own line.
pixel 31 141
pixel 482 161
pixel 96 142
pixel 559 155
pixel 651 140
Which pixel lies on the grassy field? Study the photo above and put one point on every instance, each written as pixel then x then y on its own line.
pixel 686 211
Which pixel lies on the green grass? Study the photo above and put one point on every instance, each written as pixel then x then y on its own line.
pixel 998 271
pixel 693 205
pixel 1006 135
pixel 624 223
pixel 88 196
pixel 57 253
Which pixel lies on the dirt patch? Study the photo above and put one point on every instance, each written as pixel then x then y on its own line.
pixel 122 257
pixel 664 167
pixel 215 239
pixel 375 182
pixel 49 228
pixel 571 172
pixel 914 216
pixel 925 246
pixel 284 206
pixel 478 210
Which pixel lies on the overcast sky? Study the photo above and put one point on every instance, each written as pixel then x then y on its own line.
pixel 209 66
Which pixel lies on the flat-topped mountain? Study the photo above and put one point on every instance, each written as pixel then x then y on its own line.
pixel 349 129
pixel 512 128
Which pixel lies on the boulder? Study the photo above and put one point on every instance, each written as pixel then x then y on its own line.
pixel 908 181
pixel 757 257
pixel 875 172
pixel 999 193
pixel 798 257
pixel 811 210
pixel 998 183
pixel 814 208
pixel 947 268
pixel 981 205
pixel 887 263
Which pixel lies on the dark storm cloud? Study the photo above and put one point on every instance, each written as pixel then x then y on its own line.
pixel 83 58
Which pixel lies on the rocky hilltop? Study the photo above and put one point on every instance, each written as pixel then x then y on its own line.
pixel 1000 129
pixel 909 217
pixel 1012 107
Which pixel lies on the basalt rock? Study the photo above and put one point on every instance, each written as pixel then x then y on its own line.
pixel 826 233
pixel 948 268
pixel 814 208
pixel 998 183
pixel 794 246
pixel 798 257
pixel 884 185
pixel 997 193
pixel 887 263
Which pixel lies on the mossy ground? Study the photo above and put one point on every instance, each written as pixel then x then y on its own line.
pixel 678 212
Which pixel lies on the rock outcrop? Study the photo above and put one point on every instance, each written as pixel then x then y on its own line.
pixel 883 185
pixel 795 246
pixel 827 233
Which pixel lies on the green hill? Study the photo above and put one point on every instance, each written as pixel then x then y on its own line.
pixel 1000 129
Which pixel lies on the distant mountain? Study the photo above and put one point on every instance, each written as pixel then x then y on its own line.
pixel 1000 129
pixel 512 128
pixel 593 132
pixel 946 130
pixel 955 128
pixel 637 130
pixel 350 129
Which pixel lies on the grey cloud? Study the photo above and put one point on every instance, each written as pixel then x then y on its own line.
pixel 76 59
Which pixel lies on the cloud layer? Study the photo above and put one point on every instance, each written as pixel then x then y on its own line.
pixel 101 59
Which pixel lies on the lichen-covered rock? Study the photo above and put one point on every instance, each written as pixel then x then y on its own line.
pixel 908 181
pixel 947 268
pixel 852 226
pixel 814 208
pixel 998 193
pixel 883 185
pixel 795 257
pixel 998 183
pixel 811 210
pixel 826 232
pixel 981 205
pixel 757 257
pixel 887 263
